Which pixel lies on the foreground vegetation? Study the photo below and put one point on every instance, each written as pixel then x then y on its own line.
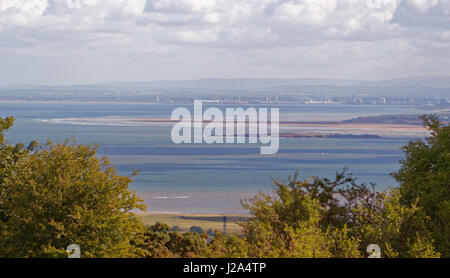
pixel 54 195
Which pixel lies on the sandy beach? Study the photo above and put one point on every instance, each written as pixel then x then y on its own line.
pixel 295 126
pixel 218 203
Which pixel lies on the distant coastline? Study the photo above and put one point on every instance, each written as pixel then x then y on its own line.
pixel 289 129
pixel 82 102
pixel 402 119
pixel 331 135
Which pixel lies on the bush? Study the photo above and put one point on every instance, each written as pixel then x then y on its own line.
pixel 161 242
pixel 424 177
pixel 61 194
pixel 196 229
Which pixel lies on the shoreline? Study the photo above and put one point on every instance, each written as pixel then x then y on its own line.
pixel 295 127
pixel 195 203
pixel 81 102
pixel 187 214
pixel 315 124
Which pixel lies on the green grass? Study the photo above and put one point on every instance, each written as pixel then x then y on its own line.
pixel 186 221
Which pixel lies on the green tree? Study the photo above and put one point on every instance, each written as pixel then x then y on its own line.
pixel 196 229
pixel 161 242
pixel 400 230
pixel 301 219
pixel 289 226
pixel 425 176
pixel 327 218
pixel 62 194
pixel 226 246
pixel 9 157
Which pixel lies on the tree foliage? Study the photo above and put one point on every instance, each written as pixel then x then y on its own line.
pixel 425 176
pixel 161 242
pixel 328 218
pixel 62 194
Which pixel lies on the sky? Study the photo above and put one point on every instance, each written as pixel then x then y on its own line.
pixel 63 42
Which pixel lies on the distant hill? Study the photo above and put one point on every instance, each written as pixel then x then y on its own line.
pixel 431 81
pixel 259 83
pixel 417 86
pixel 236 84
pixel 410 86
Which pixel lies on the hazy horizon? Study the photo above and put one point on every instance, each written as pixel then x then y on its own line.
pixel 212 78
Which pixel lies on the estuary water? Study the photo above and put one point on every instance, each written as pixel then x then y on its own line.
pixel 210 178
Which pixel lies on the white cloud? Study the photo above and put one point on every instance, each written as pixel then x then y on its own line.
pixel 309 12
pixel 164 33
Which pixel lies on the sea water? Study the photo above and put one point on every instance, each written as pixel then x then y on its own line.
pixel 208 178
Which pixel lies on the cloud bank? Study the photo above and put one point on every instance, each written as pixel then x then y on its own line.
pixel 83 41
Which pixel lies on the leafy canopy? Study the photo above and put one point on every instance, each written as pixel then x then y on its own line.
pixel 55 195
pixel 425 175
